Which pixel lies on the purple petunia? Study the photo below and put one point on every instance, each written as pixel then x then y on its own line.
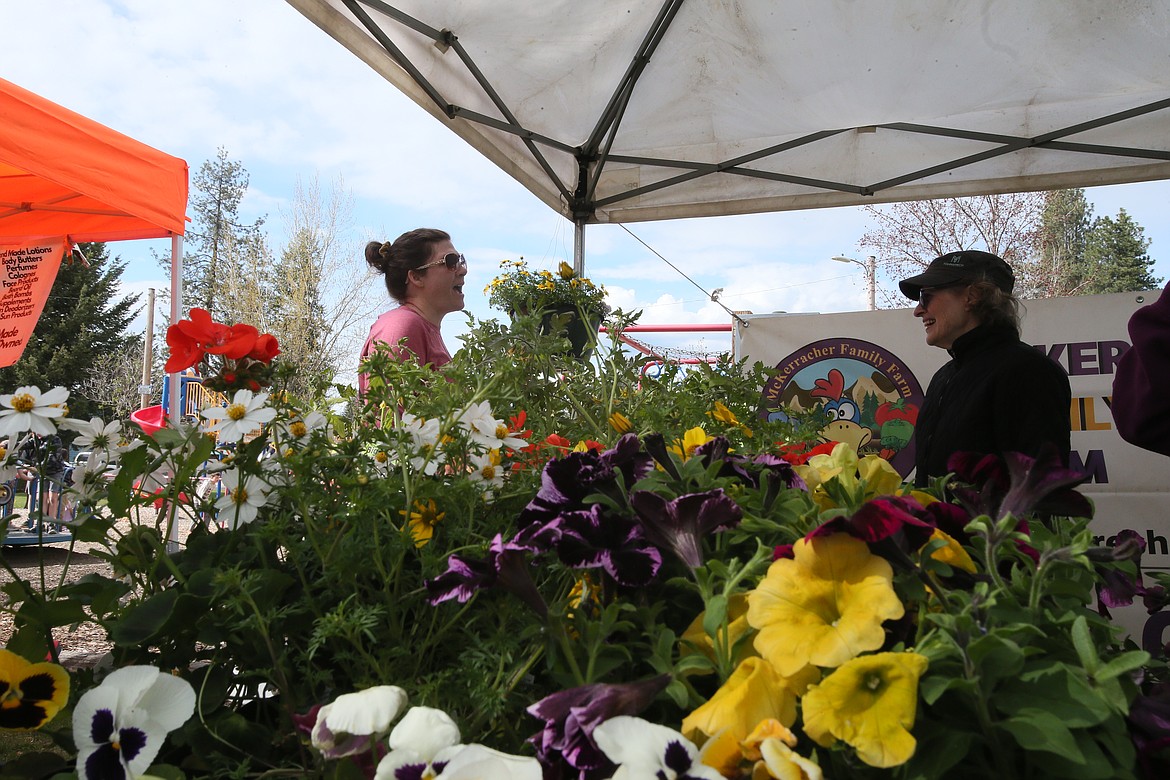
pixel 594 538
pixel 1019 484
pixel 570 717
pixel 506 566
pixel 680 525
pixel 567 481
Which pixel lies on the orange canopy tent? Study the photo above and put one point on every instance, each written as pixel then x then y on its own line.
pixel 65 179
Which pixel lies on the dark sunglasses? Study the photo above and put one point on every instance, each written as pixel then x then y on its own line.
pixel 926 294
pixel 452 260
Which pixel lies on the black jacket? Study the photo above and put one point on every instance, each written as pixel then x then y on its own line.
pixel 996 395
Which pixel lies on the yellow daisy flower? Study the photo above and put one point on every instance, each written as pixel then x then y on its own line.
pixel 423 520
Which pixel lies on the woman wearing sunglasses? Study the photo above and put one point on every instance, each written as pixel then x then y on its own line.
pixel 997 394
pixel 425 275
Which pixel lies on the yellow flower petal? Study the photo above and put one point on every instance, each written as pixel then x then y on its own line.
pixel 784 763
pixel 870 704
pixel 620 423
pixel 881 478
pixel 953 554
pixel 30 694
pixel 824 606
pixel 754 692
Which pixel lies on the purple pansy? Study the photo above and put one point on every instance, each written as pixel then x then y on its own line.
pixel 681 524
pixel 570 716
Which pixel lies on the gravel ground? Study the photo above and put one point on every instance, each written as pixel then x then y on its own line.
pixel 80 645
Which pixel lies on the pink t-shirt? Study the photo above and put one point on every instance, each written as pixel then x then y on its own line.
pixel 423 339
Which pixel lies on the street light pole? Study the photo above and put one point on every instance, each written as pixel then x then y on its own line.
pixel 870 267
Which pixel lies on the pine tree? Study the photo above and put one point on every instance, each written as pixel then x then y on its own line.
pixel 82 322
pixel 1116 258
pixel 218 247
pixel 299 322
pixel 1060 241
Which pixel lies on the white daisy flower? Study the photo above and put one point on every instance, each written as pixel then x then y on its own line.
pixel 424 437
pixel 296 432
pixel 241 500
pixel 243 415
pixel 480 424
pixel 95 434
pixel 30 410
pixel 487 470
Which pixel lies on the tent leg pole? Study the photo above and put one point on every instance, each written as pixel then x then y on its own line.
pixel 173 390
pixel 579 247
pixel 175 412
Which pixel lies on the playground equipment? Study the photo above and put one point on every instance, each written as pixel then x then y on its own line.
pixel 193 396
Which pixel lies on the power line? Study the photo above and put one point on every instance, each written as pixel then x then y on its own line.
pixel 710 296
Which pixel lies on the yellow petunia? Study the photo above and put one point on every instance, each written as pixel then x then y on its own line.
pixel 843 465
pixel 754 692
pixel 953 554
pixel 30 694
pixel 423 520
pixel 565 270
pixel 781 762
pixel 824 606
pixel 691 441
pixel 870 704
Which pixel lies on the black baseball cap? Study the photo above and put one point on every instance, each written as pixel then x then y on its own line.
pixel 970 265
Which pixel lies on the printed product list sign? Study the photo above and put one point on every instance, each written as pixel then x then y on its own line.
pixel 27 272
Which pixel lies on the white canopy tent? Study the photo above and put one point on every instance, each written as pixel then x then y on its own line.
pixel 632 111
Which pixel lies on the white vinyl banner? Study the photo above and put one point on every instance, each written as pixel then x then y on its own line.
pixel 873 368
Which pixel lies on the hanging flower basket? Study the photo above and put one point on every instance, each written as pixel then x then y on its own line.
pixel 568 322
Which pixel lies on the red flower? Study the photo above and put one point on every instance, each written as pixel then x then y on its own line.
pixel 265 348
pixel 798 454
pixel 185 351
pixel 558 441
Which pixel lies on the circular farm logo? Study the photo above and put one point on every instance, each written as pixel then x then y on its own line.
pixel 871 395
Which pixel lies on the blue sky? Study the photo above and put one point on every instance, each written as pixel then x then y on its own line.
pixel 285 100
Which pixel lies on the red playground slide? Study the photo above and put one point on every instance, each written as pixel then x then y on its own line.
pixel 150 419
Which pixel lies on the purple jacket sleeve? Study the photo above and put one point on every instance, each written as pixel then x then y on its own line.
pixel 1141 386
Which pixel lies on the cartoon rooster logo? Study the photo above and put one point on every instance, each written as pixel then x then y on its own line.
pixel 846 423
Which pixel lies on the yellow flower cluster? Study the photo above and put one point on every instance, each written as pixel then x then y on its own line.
pixel 818 617
pixel 517 290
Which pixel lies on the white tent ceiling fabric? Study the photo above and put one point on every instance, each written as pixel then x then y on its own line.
pixel 632 111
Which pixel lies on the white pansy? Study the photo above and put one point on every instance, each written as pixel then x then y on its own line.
pixel 476 762
pixel 646 750
pixel 352 721
pixel 423 736
pixel 28 409
pixel 244 414
pixel 120 725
